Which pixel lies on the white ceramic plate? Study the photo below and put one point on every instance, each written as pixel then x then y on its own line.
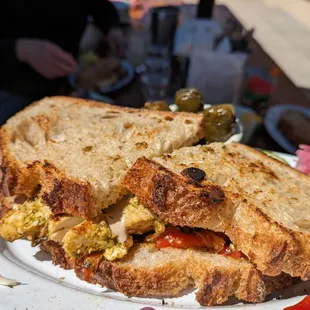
pixel 48 287
pixel 271 123
pixel 109 88
pixel 237 137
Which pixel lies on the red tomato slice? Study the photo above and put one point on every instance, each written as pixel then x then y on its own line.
pixel 172 237
pixel 226 251
pixel 229 252
pixel 237 255
pixel 302 305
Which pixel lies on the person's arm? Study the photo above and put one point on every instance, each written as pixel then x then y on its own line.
pixel 104 14
pixel 8 57
pixel 45 57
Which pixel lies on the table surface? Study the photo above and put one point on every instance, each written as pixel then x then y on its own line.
pixel 282 27
pixel 285 90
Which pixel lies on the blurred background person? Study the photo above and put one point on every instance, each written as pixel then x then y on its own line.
pixel 39 46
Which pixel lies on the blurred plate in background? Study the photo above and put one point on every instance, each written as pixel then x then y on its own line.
pixel 271 122
pixel 109 88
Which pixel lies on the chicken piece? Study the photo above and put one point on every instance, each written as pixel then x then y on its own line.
pixel 58 226
pixel 106 234
pixel 138 219
pixel 88 237
pixel 27 220
pixel 109 233
pixel 117 251
pixel 114 218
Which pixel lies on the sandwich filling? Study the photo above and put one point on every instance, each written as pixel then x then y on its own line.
pixel 111 234
pixel 27 220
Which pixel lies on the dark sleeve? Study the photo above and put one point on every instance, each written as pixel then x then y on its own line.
pixel 104 14
pixel 7 45
pixel 7 53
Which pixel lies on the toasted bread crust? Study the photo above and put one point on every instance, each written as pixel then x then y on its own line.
pixel 284 249
pixel 8 167
pixel 270 245
pixel 216 282
pixel 61 193
pixel 65 193
pixel 59 256
pixel 177 199
pixel 146 175
pixel 271 256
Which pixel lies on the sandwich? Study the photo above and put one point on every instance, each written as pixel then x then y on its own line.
pixel 63 160
pixel 177 244
pixel 265 212
pixel 95 186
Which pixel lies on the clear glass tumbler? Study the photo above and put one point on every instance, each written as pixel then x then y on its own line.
pixel 155 78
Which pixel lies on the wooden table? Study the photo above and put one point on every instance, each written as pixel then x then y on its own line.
pixel 285 91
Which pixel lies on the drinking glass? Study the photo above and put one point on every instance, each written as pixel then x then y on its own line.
pixel 160 51
pixel 155 78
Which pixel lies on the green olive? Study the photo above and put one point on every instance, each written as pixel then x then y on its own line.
pixel 223 114
pixel 189 100
pixel 215 133
pixel 157 106
pixel 219 122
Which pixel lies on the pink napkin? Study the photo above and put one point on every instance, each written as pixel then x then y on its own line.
pixel 303 155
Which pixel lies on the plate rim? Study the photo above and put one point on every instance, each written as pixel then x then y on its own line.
pixel 107 89
pixel 272 119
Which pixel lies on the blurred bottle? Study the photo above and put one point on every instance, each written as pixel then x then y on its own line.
pixel 205 8
pixel 136 51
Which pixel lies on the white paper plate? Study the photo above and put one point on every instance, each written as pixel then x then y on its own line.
pixel 271 123
pixel 237 137
pixel 49 287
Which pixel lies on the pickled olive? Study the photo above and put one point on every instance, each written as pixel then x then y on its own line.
pixel 212 133
pixel 223 114
pixel 219 123
pixel 157 106
pixel 189 100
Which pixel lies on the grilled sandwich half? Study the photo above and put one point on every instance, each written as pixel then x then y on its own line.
pixel 63 160
pixel 266 212
pixel 174 221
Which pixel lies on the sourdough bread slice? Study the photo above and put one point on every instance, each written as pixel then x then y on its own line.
pixel 73 153
pixel 148 272
pixel 266 212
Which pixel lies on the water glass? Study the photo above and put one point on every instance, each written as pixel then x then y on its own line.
pixel 159 51
pixel 155 85
pixel 155 78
